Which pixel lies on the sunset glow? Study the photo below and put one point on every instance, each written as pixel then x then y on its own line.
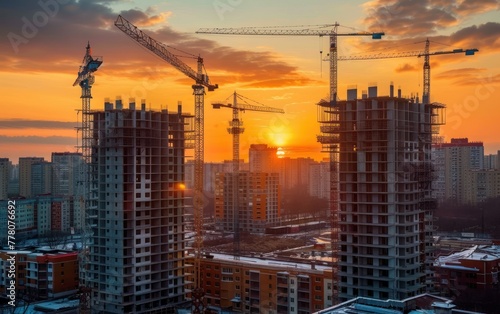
pixel 40 64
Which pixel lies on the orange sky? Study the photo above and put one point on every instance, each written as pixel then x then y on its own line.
pixel 42 48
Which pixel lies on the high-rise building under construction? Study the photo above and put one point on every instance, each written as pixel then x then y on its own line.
pixel 381 193
pixel 137 249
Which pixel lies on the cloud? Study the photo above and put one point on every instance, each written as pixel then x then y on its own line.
pixel 407 68
pixel 35 124
pixel 410 18
pixel 469 77
pixel 32 139
pixel 57 44
pixel 140 18
pixel 484 37
pixel 460 72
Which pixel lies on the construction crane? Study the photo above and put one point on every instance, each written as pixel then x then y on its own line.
pixel 236 128
pixel 201 81
pixel 322 30
pixel 426 95
pixel 327 110
pixel 85 80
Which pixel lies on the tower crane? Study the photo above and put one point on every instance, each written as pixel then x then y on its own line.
pixel 85 80
pixel 328 114
pixel 201 81
pixel 236 128
pixel 426 95
pixel 323 30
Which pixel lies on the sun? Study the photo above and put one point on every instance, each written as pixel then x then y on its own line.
pixel 280 153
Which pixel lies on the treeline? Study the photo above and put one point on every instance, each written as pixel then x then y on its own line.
pixel 478 218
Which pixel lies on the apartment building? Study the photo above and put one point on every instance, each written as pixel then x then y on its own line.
pixel 257 201
pixel 474 268
pixel 25 181
pixel 51 274
pixel 260 285
pixel 137 255
pixel 381 154
pixel 41 178
pixel 5 168
pixel 453 162
pixel 40 274
pixel 67 173
pixel 481 185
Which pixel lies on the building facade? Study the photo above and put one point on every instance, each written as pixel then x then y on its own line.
pixel 382 205
pixel 25 165
pixel 453 162
pixel 482 185
pixel 258 201
pixel 257 285
pixel 319 180
pixel 41 178
pixel 475 268
pixel 262 158
pixel 67 173
pixel 5 169
pixel 137 255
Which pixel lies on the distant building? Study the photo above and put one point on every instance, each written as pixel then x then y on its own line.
pixel 294 172
pixel 474 268
pixel 5 168
pixel 25 219
pixel 481 185
pixel 319 179
pixel 453 162
pixel 492 161
pixel 137 252
pixel 41 178
pixel 257 285
pixel 258 201
pixel 67 173
pixel 13 185
pixel 25 182
pixel 263 158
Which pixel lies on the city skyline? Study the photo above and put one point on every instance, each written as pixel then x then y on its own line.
pixel 43 42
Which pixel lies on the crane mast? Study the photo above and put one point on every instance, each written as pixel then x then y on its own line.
pixel 201 81
pixel 328 114
pixel 426 95
pixel 85 80
pixel 235 129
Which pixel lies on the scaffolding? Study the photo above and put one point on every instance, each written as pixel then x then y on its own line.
pixel 380 162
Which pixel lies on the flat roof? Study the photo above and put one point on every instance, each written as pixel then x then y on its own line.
pixel 262 261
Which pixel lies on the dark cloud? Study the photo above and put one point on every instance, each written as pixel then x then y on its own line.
pixel 32 139
pixel 35 124
pixel 484 37
pixel 57 45
pixel 414 18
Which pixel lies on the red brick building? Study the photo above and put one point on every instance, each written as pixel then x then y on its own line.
pixel 474 268
pixel 52 275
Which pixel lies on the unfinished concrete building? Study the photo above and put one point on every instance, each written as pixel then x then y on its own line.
pixel 382 207
pixel 137 250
